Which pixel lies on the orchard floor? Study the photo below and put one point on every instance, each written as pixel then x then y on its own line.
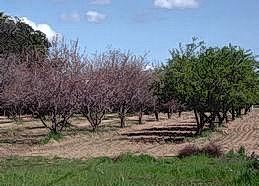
pixel 160 139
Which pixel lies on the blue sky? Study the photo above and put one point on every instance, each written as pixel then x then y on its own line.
pixel 143 25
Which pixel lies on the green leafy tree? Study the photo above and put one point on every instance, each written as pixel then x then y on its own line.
pixel 210 81
pixel 17 37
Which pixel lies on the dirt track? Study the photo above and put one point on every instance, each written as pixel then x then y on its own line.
pixel 243 131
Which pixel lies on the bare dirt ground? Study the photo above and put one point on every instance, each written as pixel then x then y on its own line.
pixel 163 138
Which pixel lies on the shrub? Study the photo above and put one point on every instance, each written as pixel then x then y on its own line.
pixel 242 151
pixel 189 150
pixel 51 135
pixel 211 149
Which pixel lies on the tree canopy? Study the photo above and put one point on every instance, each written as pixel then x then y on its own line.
pixel 19 38
pixel 210 80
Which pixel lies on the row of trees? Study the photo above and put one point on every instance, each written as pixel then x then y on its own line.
pixel 54 87
pixel 212 81
pixel 54 81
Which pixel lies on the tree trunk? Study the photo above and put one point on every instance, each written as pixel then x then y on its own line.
pixel 221 119
pixel 212 119
pixel 233 114
pixel 95 119
pixel 239 112
pixel 200 126
pixel 225 116
pixel 200 122
pixel 20 114
pixel 140 116
pixel 94 128
pixel 157 115
pixel 122 115
pixel 123 121
pixel 54 128
pixel 196 116
pixel 246 110
pixel 54 122
pixel 169 113
pixel 179 113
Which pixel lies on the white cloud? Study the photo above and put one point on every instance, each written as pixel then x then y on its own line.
pixel 45 28
pixel 100 2
pixel 70 17
pixel 95 17
pixel 176 4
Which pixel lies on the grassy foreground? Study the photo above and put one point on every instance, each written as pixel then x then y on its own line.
pixel 129 170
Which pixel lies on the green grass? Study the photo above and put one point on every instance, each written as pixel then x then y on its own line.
pixel 129 170
pixel 50 136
